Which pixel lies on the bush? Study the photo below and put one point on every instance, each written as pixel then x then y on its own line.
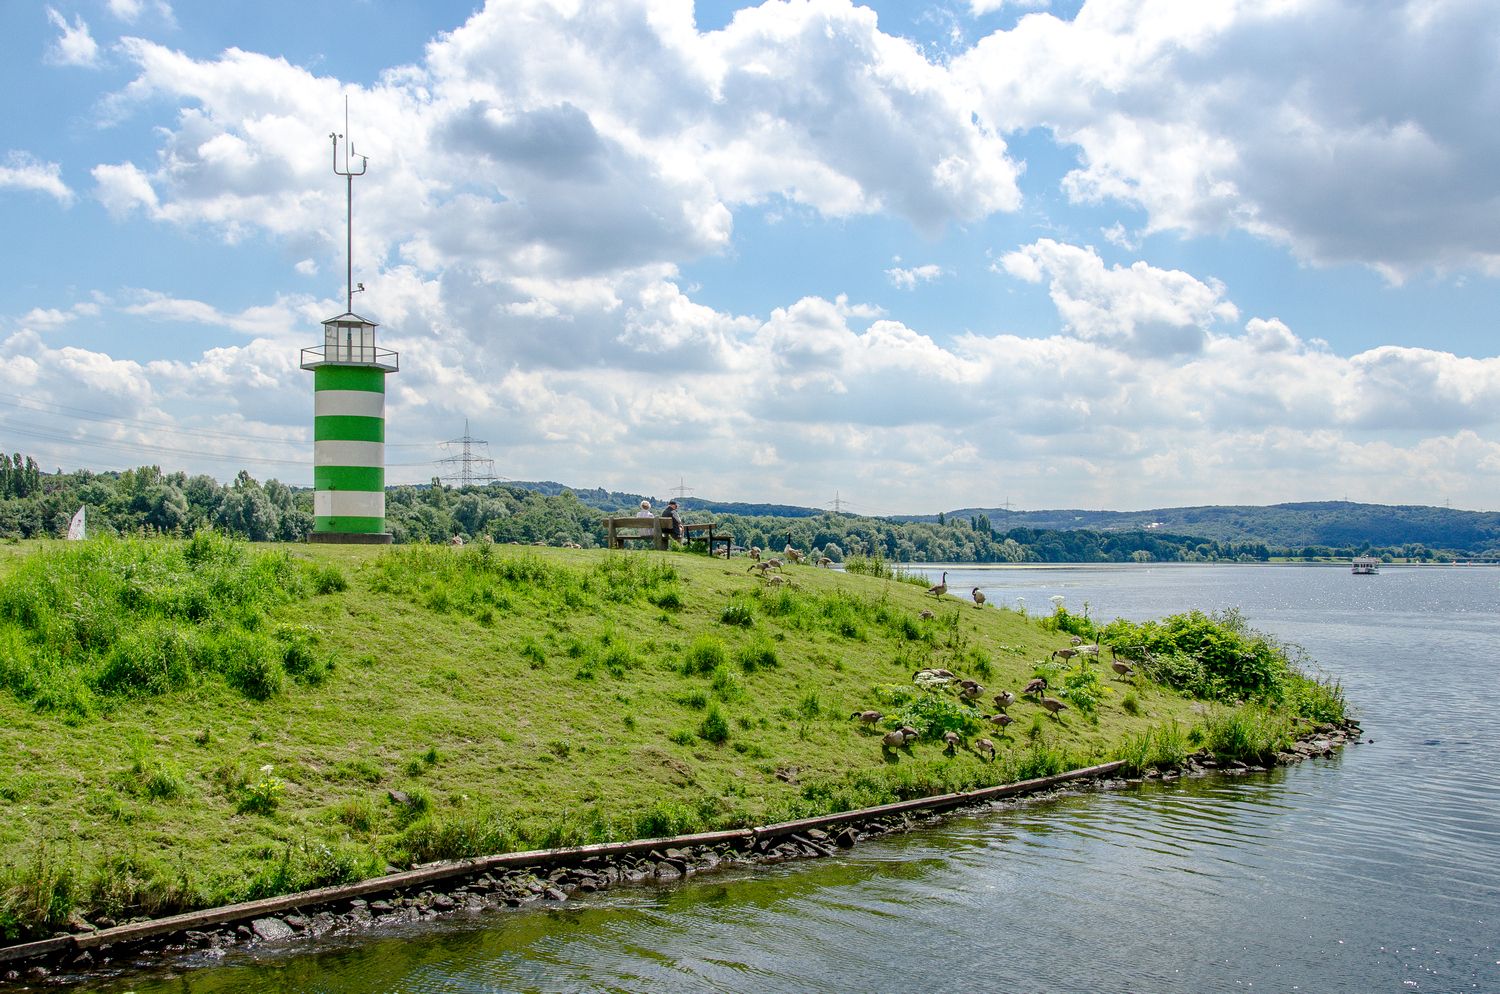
pixel 932 713
pixel 757 654
pixel 706 654
pixel 715 727
pixel 737 613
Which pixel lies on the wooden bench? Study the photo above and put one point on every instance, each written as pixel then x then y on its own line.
pixel 706 532
pixel 622 530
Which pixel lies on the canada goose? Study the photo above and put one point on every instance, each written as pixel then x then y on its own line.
pixel 755 552
pixel 983 746
pixel 759 566
pixel 951 741
pixel 940 588
pixel 1000 720
pixel 970 691
pixel 1004 699
pixel 927 614
pixel 1054 705
pixel 825 562
pixel 1121 668
pixel 867 717
pixel 1036 686
pixel 1075 640
pixel 778 580
pixel 793 554
pixel 773 561
pixel 1066 654
pixel 978 597
pixel 893 740
pixel 908 731
pixel 1088 650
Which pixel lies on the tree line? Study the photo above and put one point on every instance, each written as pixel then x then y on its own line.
pixel 146 500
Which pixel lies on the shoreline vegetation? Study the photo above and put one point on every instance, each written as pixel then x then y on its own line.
pixel 146 500
pixel 194 723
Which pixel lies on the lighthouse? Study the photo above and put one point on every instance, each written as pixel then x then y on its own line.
pixel 349 372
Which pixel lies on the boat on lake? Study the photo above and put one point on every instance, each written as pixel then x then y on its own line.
pixel 1365 566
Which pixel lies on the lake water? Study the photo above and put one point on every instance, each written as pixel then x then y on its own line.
pixel 1377 870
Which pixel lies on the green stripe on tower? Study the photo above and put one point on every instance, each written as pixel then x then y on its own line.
pixel 349 378
pixel 349 478
pixel 348 525
pixel 348 428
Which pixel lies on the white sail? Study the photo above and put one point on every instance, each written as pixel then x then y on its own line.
pixel 76 526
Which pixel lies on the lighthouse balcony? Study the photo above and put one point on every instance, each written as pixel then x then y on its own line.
pixel 343 354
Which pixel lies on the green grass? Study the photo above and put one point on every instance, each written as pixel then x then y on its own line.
pixel 191 723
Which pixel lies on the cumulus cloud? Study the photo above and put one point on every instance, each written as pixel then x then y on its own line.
pixel 1139 309
pixel 74 46
pixel 24 172
pixel 130 11
pixel 907 279
pixel 1322 125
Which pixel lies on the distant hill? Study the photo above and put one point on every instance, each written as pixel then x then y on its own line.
pixel 1292 526
pixel 614 500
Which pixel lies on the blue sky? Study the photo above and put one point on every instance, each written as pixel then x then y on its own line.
pixel 1104 255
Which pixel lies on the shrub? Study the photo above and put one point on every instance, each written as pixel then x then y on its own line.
pixel 705 655
pixel 1251 733
pixel 757 654
pixel 932 713
pixel 260 797
pixel 683 736
pixel 328 579
pixel 1130 703
pixel 715 727
pixel 1162 747
pixel 737 613
pixel 726 684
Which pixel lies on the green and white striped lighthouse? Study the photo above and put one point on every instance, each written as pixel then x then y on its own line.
pixel 349 374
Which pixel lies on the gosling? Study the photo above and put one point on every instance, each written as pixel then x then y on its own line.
pixel 1054 705
pixel 1036 686
pixel 1004 699
pixel 985 747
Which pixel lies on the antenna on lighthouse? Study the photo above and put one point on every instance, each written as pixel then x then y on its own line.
pixel 349 175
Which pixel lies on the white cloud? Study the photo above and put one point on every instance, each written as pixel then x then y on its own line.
pixel 48 318
pixel 130 11
pixel 306 267
pixel 1140 309
pixel 1324 125
pixel 978 8
pixel 907 279
pixel 123 188
pixel 24 172
pixel 75 46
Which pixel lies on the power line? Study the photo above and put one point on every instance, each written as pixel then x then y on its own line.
pixel 124 445
pixel 100 417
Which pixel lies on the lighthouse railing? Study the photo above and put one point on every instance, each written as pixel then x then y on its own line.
pixel 351 355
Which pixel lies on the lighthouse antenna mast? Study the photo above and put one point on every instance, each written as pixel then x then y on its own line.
pixel 349 175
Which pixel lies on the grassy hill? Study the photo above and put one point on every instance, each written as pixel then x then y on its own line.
pixel 190 723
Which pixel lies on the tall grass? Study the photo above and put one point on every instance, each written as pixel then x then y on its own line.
pixel 112 618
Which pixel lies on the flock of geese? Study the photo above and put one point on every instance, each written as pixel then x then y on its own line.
pixel 972 690
pixel 968 690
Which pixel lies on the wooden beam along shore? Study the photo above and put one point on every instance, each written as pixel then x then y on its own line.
pixel 420 876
